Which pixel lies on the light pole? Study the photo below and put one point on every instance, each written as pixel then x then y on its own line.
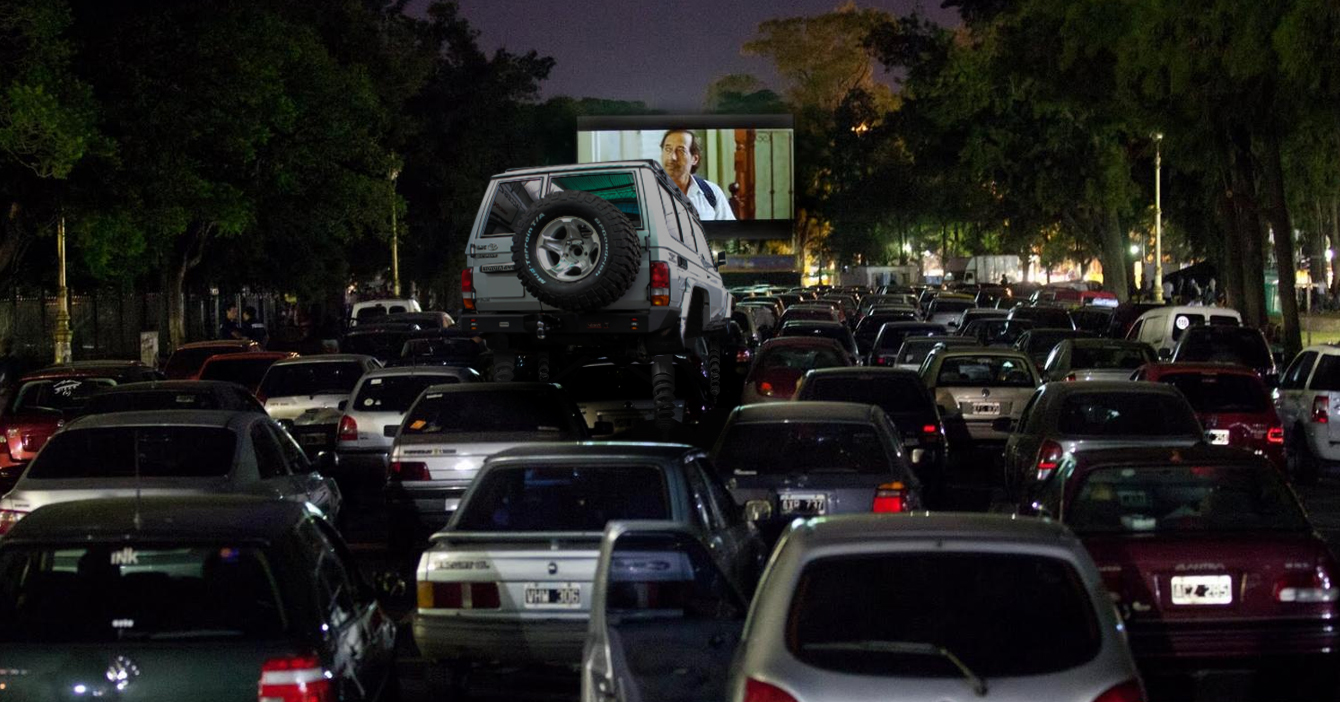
pixel 1158 217
pixel 62 334
pixel 392 175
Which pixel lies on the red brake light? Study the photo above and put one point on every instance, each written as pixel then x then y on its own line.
pixel 1275 435
pixel 743 355
pixel 660 283
pixel 485 596
pixel 766 388
pixel 408 470
pixel 1319 413
pixel 881 361
pixel 889 498
pixel 1306 588
pixel 294 679
pixel 458 595
pixel 1129 691
pixel 932 432
pixel 467 280
pixel 1049 456
pixel 1071 378
pixel 8 518
pixel 348 429
pixel 756 691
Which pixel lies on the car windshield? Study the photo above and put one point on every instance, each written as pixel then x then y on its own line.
pixel 485 412
pixel 607 382
pixel 813 446
pixel 60 394
pixel 1213 393
pixel 900 395
pixel 1184 497
pixel 124 592
pixel 578 497
pixel 146 451
pixel 395 393
pixel 801 357
pixel 985 371
pixel 1044 317
pixel 319 378
pixel 1000 614
pixel 1237 345
pixel 1138 414
pixel 246 372
pixel 1116 357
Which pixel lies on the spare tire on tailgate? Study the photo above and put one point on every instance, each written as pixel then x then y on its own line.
pixel 575 251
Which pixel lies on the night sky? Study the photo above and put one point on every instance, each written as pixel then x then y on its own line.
pixel 663 53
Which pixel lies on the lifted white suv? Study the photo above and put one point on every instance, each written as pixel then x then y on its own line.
pixel 603 258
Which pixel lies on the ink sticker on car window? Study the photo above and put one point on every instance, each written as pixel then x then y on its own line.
pixel 66 388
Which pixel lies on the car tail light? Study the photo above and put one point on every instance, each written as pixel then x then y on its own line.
pixel 348 429
pixel 881 361
pixel 1049 456
pixel 889 498
pixel 758 691
pixel 485 596
pixel 458 595
pixel 744 355
pixel 1319 414
pixel 1306 588
pixel 294 679
pixel 766 388
pixel 1129 691
pixel 468 288
pixel 407 470
pixel 1070 378
pixel 8 518
pixel 932 432
pixel 660 283
pixel 1275 435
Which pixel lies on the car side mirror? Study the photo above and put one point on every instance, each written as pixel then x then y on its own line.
pixel 758 510
pixel 1003 425
pixel 1165 354
pixel 343 404
pixel 721 259
pixel 602 429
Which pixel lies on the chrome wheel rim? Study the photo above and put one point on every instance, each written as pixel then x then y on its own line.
pixel 568 249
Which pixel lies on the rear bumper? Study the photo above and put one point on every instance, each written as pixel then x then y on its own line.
pixel 361 473
pixel 426 507
pixel 549 640
pixel 566 323
pixel 1230 641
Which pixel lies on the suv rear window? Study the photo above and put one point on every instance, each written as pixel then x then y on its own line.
pixel 1220 393
pixel 892 338
pixel 620 189
pixel 899 396
pixel 1127 414
pixel 784 448
pixel 564 498
pixel 984 371
pixel 395 393
pixel 1110 356
pixel 1327 375
pixel 949 306
pixel 119 593
pixel 321 378
pixel 491 413
pixel 124 452
pixel 512 198
pixel 1184 498
pixel 1238 345
pixel 1002 615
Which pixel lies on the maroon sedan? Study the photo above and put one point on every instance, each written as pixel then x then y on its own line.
pixel 781 362
pixel 1231 402
pixel 1206 551
pixel 186 362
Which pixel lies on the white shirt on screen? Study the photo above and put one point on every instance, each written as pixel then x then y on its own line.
pixel 705 210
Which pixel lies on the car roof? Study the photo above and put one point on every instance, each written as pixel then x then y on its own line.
pixel 493 387
pixel 895 326
pixel 213 517
pixel 572 167
pixel 1161 369
pixel 965 526
pixel 176 418
pixel 1085 342
pixel 250 356
pixel 821 323
pixel 594 450
pixel 777 341
pixel 871 372
pixel 453 371
pixel 177 385
pixel 1193 309
pixel 324 358
pixel 804 411
pixel 383 301
pixel 948 352
pixel 1154 456
pixel 84 368
pixel 1093 387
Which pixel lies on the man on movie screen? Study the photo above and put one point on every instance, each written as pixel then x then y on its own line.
pixel 680 155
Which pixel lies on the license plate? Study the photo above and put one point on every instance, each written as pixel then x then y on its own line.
pixel 1202 590
pixel 308 439
pixel 807 503
pixel 1219 437
pixel 986 408
pixel 553 596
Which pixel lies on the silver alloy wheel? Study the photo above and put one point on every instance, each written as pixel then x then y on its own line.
pixel 568 249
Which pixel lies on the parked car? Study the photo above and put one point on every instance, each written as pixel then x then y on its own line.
pixel 946 309
pixel 999 331
pixel 868 328
pixel 1218 343
pixel 45 399
pixel 1307 398
pixel 173 598
pixel 1124 317
pixel 1062 418
pixel 884 352
pixel 870 607
pixel 1163 327
pixel 371 311
pixel 807 312
pixel 823 330
pixel 246 369
pixel 175 452
pixel 1039 342
pixel 446 348
pixel 915 349
pixel 974 313
pixel 1096 359
pixel 780 363
pixel 1231 402
pixel 1044 317
pixel 172 395
pixel 382 340
pixel 509 580
pixel 187 360
pixel 297 385
pixel 904 399
pixel 621 393
pixel 449 431
pixel 976 387
pixel 1095 320
pixel 1208 555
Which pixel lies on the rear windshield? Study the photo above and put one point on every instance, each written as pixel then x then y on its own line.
pixel 605 383
pixel 1127 414
pixel 492 413
pixel 564 498
pixel 809 313
pixel 244 372
pixel 395 393
pixel 948 306
pixel 123 452
pixel 914 351
pixel 63 394
pixel 1044 317
pixel 1184 498
pixel 985 371
pixel 897 396
pixel 836 332
pixel 1113 357
pixel 619 189
pixel 1327 375
pixel 811 447
pixel 1244 347
pixel 802 358
pixel 382 344
pixel 1044 342
pixel 905 614
pixel 1220 393
pixel 121 593
pixel 891 339
pixel 148 400
pixel 440 348
pixel 324 378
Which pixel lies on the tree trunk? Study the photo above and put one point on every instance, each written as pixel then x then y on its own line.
pixel 1335 243
pixel 1116 266
pixel 1253 307
pixel 1230 270
pixel 188 250
pixel 1316 247
pixel 1277 209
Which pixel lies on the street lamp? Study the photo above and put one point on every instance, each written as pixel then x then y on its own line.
pixel 1158 216
pixel 62 333
pixel 392 175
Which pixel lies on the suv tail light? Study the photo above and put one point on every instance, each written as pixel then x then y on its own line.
pixel 660 283
pixel 294 679
pixel 8 518
pixel 458 595
pixel 1049 456
pixel 881 361
pixel 931 432
pixel 744 355
pixel 1129 691
pixel 468 288
pixel 765 388
pixel 1306 588
pixel 756 691
pixel 407 470
pixel 348 429
pixel 889 497
pixel 1275 435
pixel 1319 413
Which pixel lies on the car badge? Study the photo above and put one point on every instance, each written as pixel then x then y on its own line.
pixel 553 568
pixel 122 672
pixel 986 392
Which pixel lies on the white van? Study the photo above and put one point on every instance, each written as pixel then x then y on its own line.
pixel 1162 327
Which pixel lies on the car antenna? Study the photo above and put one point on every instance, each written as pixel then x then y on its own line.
pixel 138 523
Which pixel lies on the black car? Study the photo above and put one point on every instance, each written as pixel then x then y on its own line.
pixel 1215 343
pixel 836 331
pixel 1049 317
pixel 1038 343
pixel 868 328
pixel 884 352
pixel 172 394
pixel 163 599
